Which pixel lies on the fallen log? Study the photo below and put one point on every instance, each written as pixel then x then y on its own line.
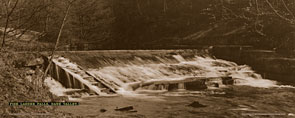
pixel 128 108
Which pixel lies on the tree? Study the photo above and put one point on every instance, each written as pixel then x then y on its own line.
pixel 20 17
pixel 270 22
pixel 90 21
pixel 58 37
pixel 8 12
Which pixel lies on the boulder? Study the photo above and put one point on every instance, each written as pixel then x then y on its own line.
pixel 228 81
pixel 196 104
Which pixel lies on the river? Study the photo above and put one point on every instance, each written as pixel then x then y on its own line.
pixel 250 94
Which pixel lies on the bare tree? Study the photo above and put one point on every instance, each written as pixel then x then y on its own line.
pixel 21 16
pixel 9 12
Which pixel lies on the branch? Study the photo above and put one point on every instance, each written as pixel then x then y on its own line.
pixel 7 22
pixel 35 10
pixel 26 21
pixel 14 6
pixel 138 7
pixel 256 20
pixel 288 9
pixel 278 14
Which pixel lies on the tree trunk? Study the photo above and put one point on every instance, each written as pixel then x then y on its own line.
pixel 57 41
pixel 4 32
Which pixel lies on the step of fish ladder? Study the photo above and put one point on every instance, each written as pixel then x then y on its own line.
pixel 73 76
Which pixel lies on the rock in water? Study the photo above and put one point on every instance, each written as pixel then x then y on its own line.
pixel 132 111
pixel 228 81
pixel 103 110
pixel 216 85
pixel 128 108
pixel 196 104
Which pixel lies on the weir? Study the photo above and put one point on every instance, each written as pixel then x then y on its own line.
pixel 109 72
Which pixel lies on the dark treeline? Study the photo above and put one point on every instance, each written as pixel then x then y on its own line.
pixel 143 22
pixel 148 23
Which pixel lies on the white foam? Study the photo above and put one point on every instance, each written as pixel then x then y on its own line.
pixel 200 66
pixel 55 87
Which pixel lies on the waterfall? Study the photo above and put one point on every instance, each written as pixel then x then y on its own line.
pixel 146 70
pixel 139 71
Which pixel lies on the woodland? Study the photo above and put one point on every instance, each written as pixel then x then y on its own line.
pixel 133 24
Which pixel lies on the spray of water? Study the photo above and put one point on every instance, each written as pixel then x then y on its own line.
pixel 55 87
pixel 58 89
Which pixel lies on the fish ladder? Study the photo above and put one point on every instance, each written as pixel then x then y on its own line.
pixel 71 75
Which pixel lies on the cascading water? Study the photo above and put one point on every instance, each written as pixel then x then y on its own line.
pixel 163 80
pixel 122 74
pixel 58 89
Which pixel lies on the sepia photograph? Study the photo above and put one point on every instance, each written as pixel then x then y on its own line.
pixel 147 58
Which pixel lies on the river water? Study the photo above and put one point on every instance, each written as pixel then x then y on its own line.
pixel 250 93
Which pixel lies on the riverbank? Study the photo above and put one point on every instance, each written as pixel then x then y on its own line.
pixel 19 83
